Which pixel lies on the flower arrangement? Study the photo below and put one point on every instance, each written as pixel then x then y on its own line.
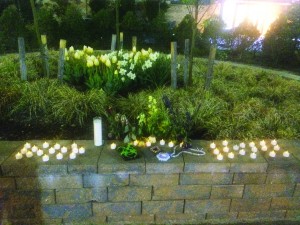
pixel 113 72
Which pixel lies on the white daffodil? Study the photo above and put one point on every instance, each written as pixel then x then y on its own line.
pixel 89 63
pixel 131 75
pixel 114 59
pixel 71 49
pixel 122 71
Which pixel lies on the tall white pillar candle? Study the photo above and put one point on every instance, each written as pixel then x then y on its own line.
pixel 98 131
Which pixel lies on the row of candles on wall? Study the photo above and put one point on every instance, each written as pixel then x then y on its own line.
pixel 240 149
pixel 46 150
pixel 148 143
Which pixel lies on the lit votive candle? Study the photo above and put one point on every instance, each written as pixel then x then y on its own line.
pixel 251 144
pixel 242 152
pixel 34 148
pixel 113 146
pixel 152 139
pixel 74 145
pixel 254 149
pixel 136 142
pixel 75 150
pixel 59 156
pixel 19 156
pixel 224 143
pixel 57 146
pixel 216 151
pixel 242 145
pixel 274 142
pixel 64 150
pixel 171 144
pixel 230 155
pixel 39 152
pixel 29 154
pixel 27 145
pixel 236 147
pixel 148 143
pixel 225 149
pixel 286 154
pixel 253 155
pixel 220 157
pixel 272 154
pixel 264 148
pixel 162 142
pixel 51 150
pixel 212 145
pixel 46 145
pixel 262 143
pixel 276 148
pixel 23 151
pixel 81 150
pixel 45 158
pixel 72 155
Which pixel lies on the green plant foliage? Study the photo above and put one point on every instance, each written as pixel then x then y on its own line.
pixel 128 152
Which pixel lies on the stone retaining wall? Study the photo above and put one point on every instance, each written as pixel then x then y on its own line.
pixel 99 187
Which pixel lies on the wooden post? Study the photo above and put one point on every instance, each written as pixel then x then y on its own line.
pixel 113 42
pixel 186 62
pixel 174 65
pixel 61 59
pixel 134 41
pixel 121 40
pixel 45 55
pixel 23 67
pixel 211 60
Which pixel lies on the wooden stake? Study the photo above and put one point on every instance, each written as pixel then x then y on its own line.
pixel 174 65
pixel 61 59
pixel 23 68
pixel 186 62
pixel 45 55
pixel 113 42
pixel 211 60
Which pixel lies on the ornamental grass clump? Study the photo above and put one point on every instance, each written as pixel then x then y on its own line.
pixel 117 72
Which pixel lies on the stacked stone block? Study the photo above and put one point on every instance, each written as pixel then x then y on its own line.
pixel 100 188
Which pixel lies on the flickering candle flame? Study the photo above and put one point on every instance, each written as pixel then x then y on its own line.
pixel 224 143
pixel 45 158
pixel 59 156
pixel 212 145
pixel 136 142
pixel 29 154
pixel 254 149
pixel 272 154
pixel 253 155
pixel 34 148
pixel 251 144
pixel 274 142
pixel 74 145
pixel 242 152
pixel 19 156
pixel 236 147
pixel 39 152
pixel 216 151
pixel 81 150
pixel 220 157
pixel 152 139
pixel 286 154
pixel 113 146
pixel 75 150
pixel 264 148
pixel 230 155
pixel 57 146
pixel 72 155
pixel 51 150
pixel 27 145
pixel 23 151
pixel 46 145
pixel 64 150
pixel 276 148
pixel 225 149
pixel 262 143
pixel 162 142
pixel 148 143
pixel 171 144
pixel 242 145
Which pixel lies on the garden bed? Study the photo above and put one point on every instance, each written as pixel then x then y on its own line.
pixel 99 187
